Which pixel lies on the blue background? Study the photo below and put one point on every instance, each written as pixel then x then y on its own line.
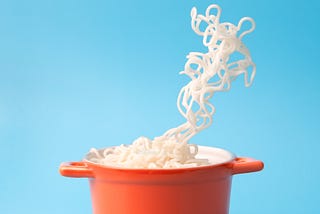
pixel 81 74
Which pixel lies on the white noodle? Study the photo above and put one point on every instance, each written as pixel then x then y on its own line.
pixel 209 72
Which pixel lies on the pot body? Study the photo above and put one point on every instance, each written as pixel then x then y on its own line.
pixel 203 191
pixel 198 190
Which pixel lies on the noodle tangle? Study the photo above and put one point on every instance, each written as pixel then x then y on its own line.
pixel 214 71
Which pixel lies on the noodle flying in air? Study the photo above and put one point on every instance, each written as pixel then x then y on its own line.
pixel 209 72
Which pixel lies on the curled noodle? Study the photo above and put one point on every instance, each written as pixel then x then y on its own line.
pixel 209 72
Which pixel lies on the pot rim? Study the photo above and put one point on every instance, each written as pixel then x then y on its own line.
pixel 233 165
pixel 201 154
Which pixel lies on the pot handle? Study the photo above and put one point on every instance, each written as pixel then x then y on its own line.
pixel 245 165
pixel 76 170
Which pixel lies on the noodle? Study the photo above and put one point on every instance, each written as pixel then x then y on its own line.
pixel 209 72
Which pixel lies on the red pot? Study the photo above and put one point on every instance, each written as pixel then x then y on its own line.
pixel 197 190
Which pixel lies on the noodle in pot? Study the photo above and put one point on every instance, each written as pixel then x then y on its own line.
pixel 209 72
